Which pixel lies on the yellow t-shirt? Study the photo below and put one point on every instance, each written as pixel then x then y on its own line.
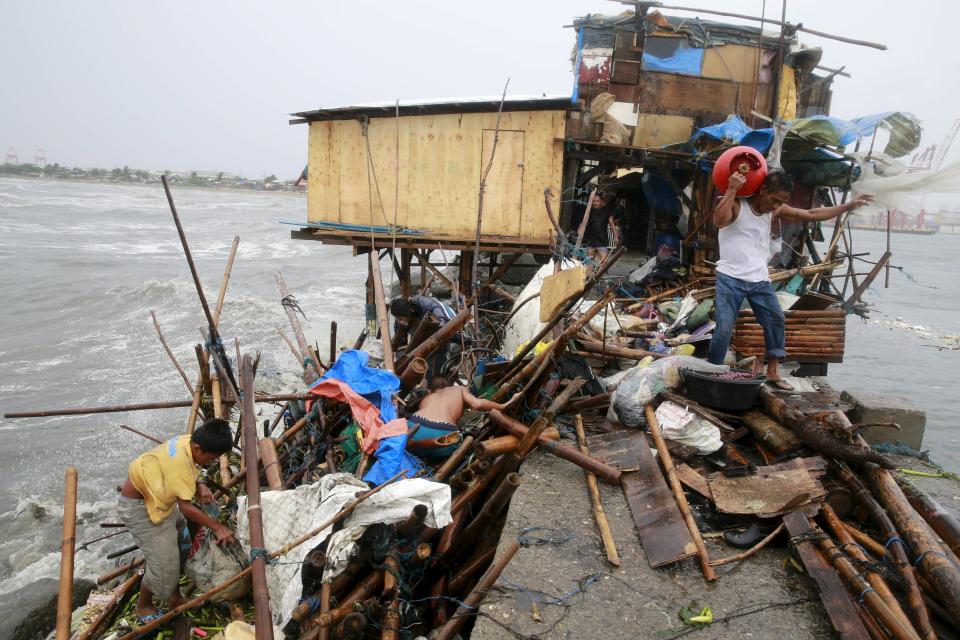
pixel 163 474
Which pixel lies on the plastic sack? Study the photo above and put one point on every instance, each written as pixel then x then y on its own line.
pixel 681 425
pixel 212 564
pixel 641 385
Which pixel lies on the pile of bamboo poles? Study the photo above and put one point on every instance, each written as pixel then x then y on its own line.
pixel 811 336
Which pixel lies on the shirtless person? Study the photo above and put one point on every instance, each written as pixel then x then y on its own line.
pixel 440 411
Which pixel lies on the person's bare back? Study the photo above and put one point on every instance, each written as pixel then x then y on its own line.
pixel 447 403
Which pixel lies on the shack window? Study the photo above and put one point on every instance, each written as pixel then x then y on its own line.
pixel 672 55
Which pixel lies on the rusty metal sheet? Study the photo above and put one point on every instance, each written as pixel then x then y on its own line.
pixel 764 494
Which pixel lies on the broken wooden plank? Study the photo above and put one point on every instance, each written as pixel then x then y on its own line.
pixel 661 528
pixel 692 479
pixel 840 607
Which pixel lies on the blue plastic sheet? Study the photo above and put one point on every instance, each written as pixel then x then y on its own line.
pixel 392 457
pixel 685 61
pixel 376 385
pixel 735 130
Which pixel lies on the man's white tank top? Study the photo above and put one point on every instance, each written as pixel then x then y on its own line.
pixel 745 245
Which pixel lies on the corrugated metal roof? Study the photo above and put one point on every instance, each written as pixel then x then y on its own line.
pixel 483 104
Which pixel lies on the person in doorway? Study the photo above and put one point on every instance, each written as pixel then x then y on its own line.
pixel 411 312
pixel 744 241
pixel 160 486
pixel 595 233
pixel 440 411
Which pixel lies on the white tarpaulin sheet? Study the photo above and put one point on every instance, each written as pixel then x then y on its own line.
pixel 525 323
pixel 905 190
pixel 292 513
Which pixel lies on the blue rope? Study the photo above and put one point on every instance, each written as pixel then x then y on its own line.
pixel 864 593
pixel 895 539
pixel 923 555
pixel 258 552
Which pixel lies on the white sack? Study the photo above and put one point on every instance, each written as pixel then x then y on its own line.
pixel 682 425
pixel 292 513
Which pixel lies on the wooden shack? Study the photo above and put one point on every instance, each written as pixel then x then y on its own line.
pixel 410 173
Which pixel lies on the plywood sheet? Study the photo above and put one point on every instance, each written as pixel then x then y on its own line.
pixel 435 163
pixel 656 130
pixel 559 288
pixel 503 190
pixel 661 528
pixel 715 99
pixel 736 62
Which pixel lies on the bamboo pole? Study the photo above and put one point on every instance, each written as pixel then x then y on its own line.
pixel 383 317
pixel 605 534
pixel 895 547
pixel 454 460
pixel 477 594
pixel 325 608
pixel 258 565
pixel 68 541
pixel 119 594
pixel 141 433
pixel 173 358
pixel 143 406
pixel 943 522
pixel 271 465
pixel 601 470
pixel 899 629
pixel 876 581
pixel 930 560
pixel 305 348
pixel 203 597
pixel 333 342
pixel 667 461
pixel 119 571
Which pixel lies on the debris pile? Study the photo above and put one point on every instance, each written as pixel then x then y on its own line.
pixel 363 518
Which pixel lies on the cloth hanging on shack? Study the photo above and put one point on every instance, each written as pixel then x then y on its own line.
pixel 687 61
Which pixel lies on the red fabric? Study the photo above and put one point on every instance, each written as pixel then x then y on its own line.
pixel 366 415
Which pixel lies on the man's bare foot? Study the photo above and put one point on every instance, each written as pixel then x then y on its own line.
pixel 780 383
pixel 176 600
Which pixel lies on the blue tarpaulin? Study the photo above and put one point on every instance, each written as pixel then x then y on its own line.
pixel 376 385
pixel 686 61
pixel 736 131
pixel 392 457
pixel 659 192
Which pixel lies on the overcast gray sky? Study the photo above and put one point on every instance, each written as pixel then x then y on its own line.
pixel 207 85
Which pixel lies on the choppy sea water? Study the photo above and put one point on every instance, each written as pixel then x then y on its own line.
pixel 82 264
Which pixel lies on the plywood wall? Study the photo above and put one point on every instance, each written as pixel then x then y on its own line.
pixel 438 162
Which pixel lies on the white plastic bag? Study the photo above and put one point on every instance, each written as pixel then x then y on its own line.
pixel 641 385
pixel 681 425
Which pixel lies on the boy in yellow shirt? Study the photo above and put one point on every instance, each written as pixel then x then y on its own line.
pixel 159 483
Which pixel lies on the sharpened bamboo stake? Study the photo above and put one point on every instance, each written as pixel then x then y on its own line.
pixel 67 544
pixel 173 358
pixel 605 534
pixel 678 494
